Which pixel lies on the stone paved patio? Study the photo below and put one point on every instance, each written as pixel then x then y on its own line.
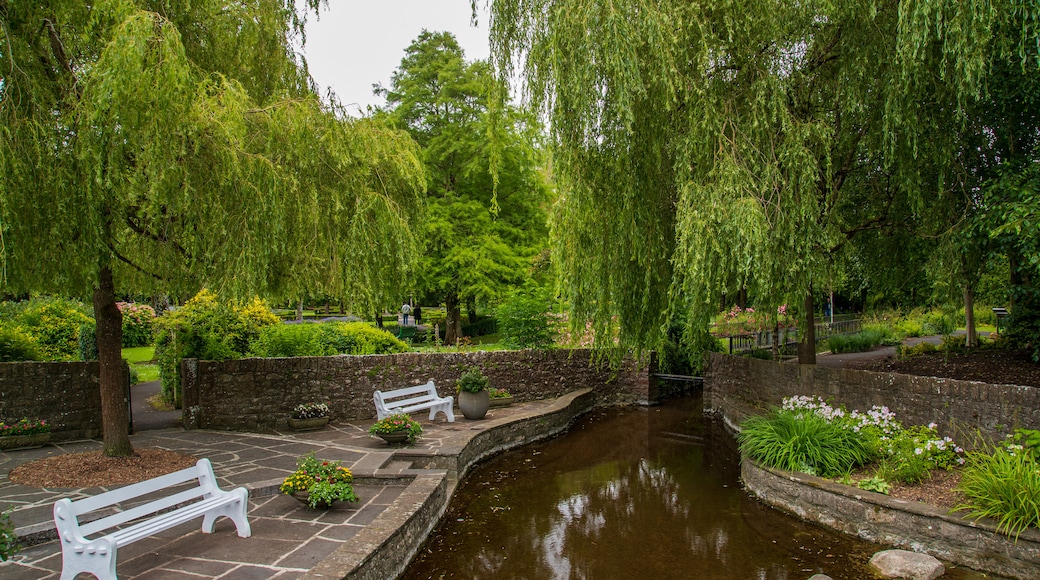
pixel 288 539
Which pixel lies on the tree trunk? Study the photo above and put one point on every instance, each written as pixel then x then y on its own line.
pixel 471 306
pixel 114 415
pixel 379 319
pixel 971 341
pixel 299 310
pixel 807 344
pixel 453 323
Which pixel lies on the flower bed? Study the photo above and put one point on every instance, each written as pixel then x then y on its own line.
pixel 808 435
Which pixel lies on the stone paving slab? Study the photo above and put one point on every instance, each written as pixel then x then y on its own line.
pixel 288 539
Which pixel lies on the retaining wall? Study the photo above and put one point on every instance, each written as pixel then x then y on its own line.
pixel 892 522
pixel 259 394
pixel 739 386
pixel 65 394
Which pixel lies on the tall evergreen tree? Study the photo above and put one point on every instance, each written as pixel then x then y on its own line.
pixel 156 146
pixel 486 196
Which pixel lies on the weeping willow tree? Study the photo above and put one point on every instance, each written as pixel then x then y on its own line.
pixel 156 147
pixel 705 147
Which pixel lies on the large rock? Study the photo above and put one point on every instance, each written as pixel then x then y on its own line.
pixel 906 564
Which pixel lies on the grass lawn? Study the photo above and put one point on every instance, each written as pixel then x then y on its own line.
pixel 140 359
pixel 139 354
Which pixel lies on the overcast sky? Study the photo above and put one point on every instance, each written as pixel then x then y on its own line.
pixel 357 43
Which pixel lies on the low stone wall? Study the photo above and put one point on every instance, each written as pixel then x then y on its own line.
pixel 385 547
pixel 259 394
pixel 739 386
pixel 905 524
pixel 65 394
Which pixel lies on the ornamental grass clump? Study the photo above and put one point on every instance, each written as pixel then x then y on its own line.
pixel 324 481
pixel 803 441
pixel 1004 484
pixel 397 423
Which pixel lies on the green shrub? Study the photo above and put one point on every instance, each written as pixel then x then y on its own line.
pixel 324 339
pixel 16 345
pixel 88 342
pixel 1027 441
pixel 1003 485
pixel 912 453
pixel 8 539
pixel 370 340
pixel 683 350
pixel 138 323
pixel 906 351
pixel 937 322
pixel 910 328
pixel 524 319
pixel 866 339
pixel 54 324
pixel 283 340
pixel 205 328
pixel 435 317
pixel 472 380
pixel 484 326
pixel 983 315
pixel 805 442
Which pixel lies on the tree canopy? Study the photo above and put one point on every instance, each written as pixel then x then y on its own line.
pixel 159 147
pixel 486 195
pixel 705 147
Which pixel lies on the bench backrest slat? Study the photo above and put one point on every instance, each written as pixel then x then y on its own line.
pixel 140 511
pixel 428 388
pixel 199 472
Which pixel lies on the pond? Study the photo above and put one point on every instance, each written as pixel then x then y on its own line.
pixel 628 493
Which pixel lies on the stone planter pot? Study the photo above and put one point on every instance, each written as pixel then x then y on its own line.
pixel 24 441
pixel 395 437
pixel 309 424
pixel 474 405
pixel 502 401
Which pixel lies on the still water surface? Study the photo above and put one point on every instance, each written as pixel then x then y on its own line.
pixel 629 493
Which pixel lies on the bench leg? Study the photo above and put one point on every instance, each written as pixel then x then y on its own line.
pixel 446 409
pixel 98 558
pixel 235 511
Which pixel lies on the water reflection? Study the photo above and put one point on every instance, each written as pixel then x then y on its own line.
pixel 625 494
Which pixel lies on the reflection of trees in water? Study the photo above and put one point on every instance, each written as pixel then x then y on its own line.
pixel 619 497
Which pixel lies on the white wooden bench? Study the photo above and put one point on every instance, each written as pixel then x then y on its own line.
pixel 97 556
pixel 412 399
